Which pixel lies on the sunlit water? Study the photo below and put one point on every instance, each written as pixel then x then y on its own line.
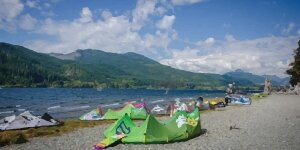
pixel 73 102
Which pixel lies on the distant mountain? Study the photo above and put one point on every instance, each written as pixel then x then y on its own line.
pixel 25 68
pixel 144 68
pixel 280 81
pixel 93 68
pixel 257 79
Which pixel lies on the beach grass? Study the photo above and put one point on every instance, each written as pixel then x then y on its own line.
pixel 259 96
pixel 22 135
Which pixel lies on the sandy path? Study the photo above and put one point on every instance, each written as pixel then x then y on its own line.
pixel 272 123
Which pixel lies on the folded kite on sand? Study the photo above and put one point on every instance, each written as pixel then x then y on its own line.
pixel 92 115
pixel 237 99
pixel 27 120
pixel 182 126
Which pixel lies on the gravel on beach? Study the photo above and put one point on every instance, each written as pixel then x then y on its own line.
pixel 270 123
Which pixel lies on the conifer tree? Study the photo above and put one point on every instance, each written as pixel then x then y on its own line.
pixel 294 71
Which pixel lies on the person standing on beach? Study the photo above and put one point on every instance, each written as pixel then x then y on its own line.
pixel 269 86
pixel 100 110
pixel 199 102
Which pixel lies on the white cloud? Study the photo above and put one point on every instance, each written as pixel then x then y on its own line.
pixel 120 33
pixel 110 33
pixel 160 10
pixel 49 13
pixel 9 10
pixel 267 55
pixel 166 22
pixel 27 22
pixel 229 38
pixel 31 3
pixel 140 14
pixel 209 41
pixel 157 40
pixel 185 2
pixel 289 28
pixel 206 43
pixel 38 4
pixel 86 15
pixel 12 17
pixel 43 7
pixel 106 14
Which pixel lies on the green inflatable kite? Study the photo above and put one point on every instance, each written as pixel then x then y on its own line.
pixel 133 112
pixel 182 126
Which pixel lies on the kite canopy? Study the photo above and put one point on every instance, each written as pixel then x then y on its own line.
pixel 133 112
pixel 137 105
pixel 92 115
pixel 239 99
pixel 27 120
pixel 182 126
pixel 130 110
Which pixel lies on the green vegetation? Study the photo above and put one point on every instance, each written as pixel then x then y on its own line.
pixel 22 136
pixel 21 67
pixel 294 71
pixel 256 97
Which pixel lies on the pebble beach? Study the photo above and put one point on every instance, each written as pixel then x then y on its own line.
pixel 269 123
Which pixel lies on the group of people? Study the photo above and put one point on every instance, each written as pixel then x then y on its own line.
pixel 289 90
pixel 198 103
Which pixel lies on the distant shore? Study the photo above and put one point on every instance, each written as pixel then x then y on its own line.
pixel 269 123
pixel 64 103
pixel 208 88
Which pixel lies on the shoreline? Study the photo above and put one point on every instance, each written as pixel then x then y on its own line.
pixel 253 89
pixel 71 125
pixel 258 126
pixel 70 103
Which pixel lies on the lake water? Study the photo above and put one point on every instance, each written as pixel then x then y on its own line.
pixel 72 102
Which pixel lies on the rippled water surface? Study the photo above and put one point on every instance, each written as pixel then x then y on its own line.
pixel 72 102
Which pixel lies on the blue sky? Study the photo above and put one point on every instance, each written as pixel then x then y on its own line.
pixel 212 36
